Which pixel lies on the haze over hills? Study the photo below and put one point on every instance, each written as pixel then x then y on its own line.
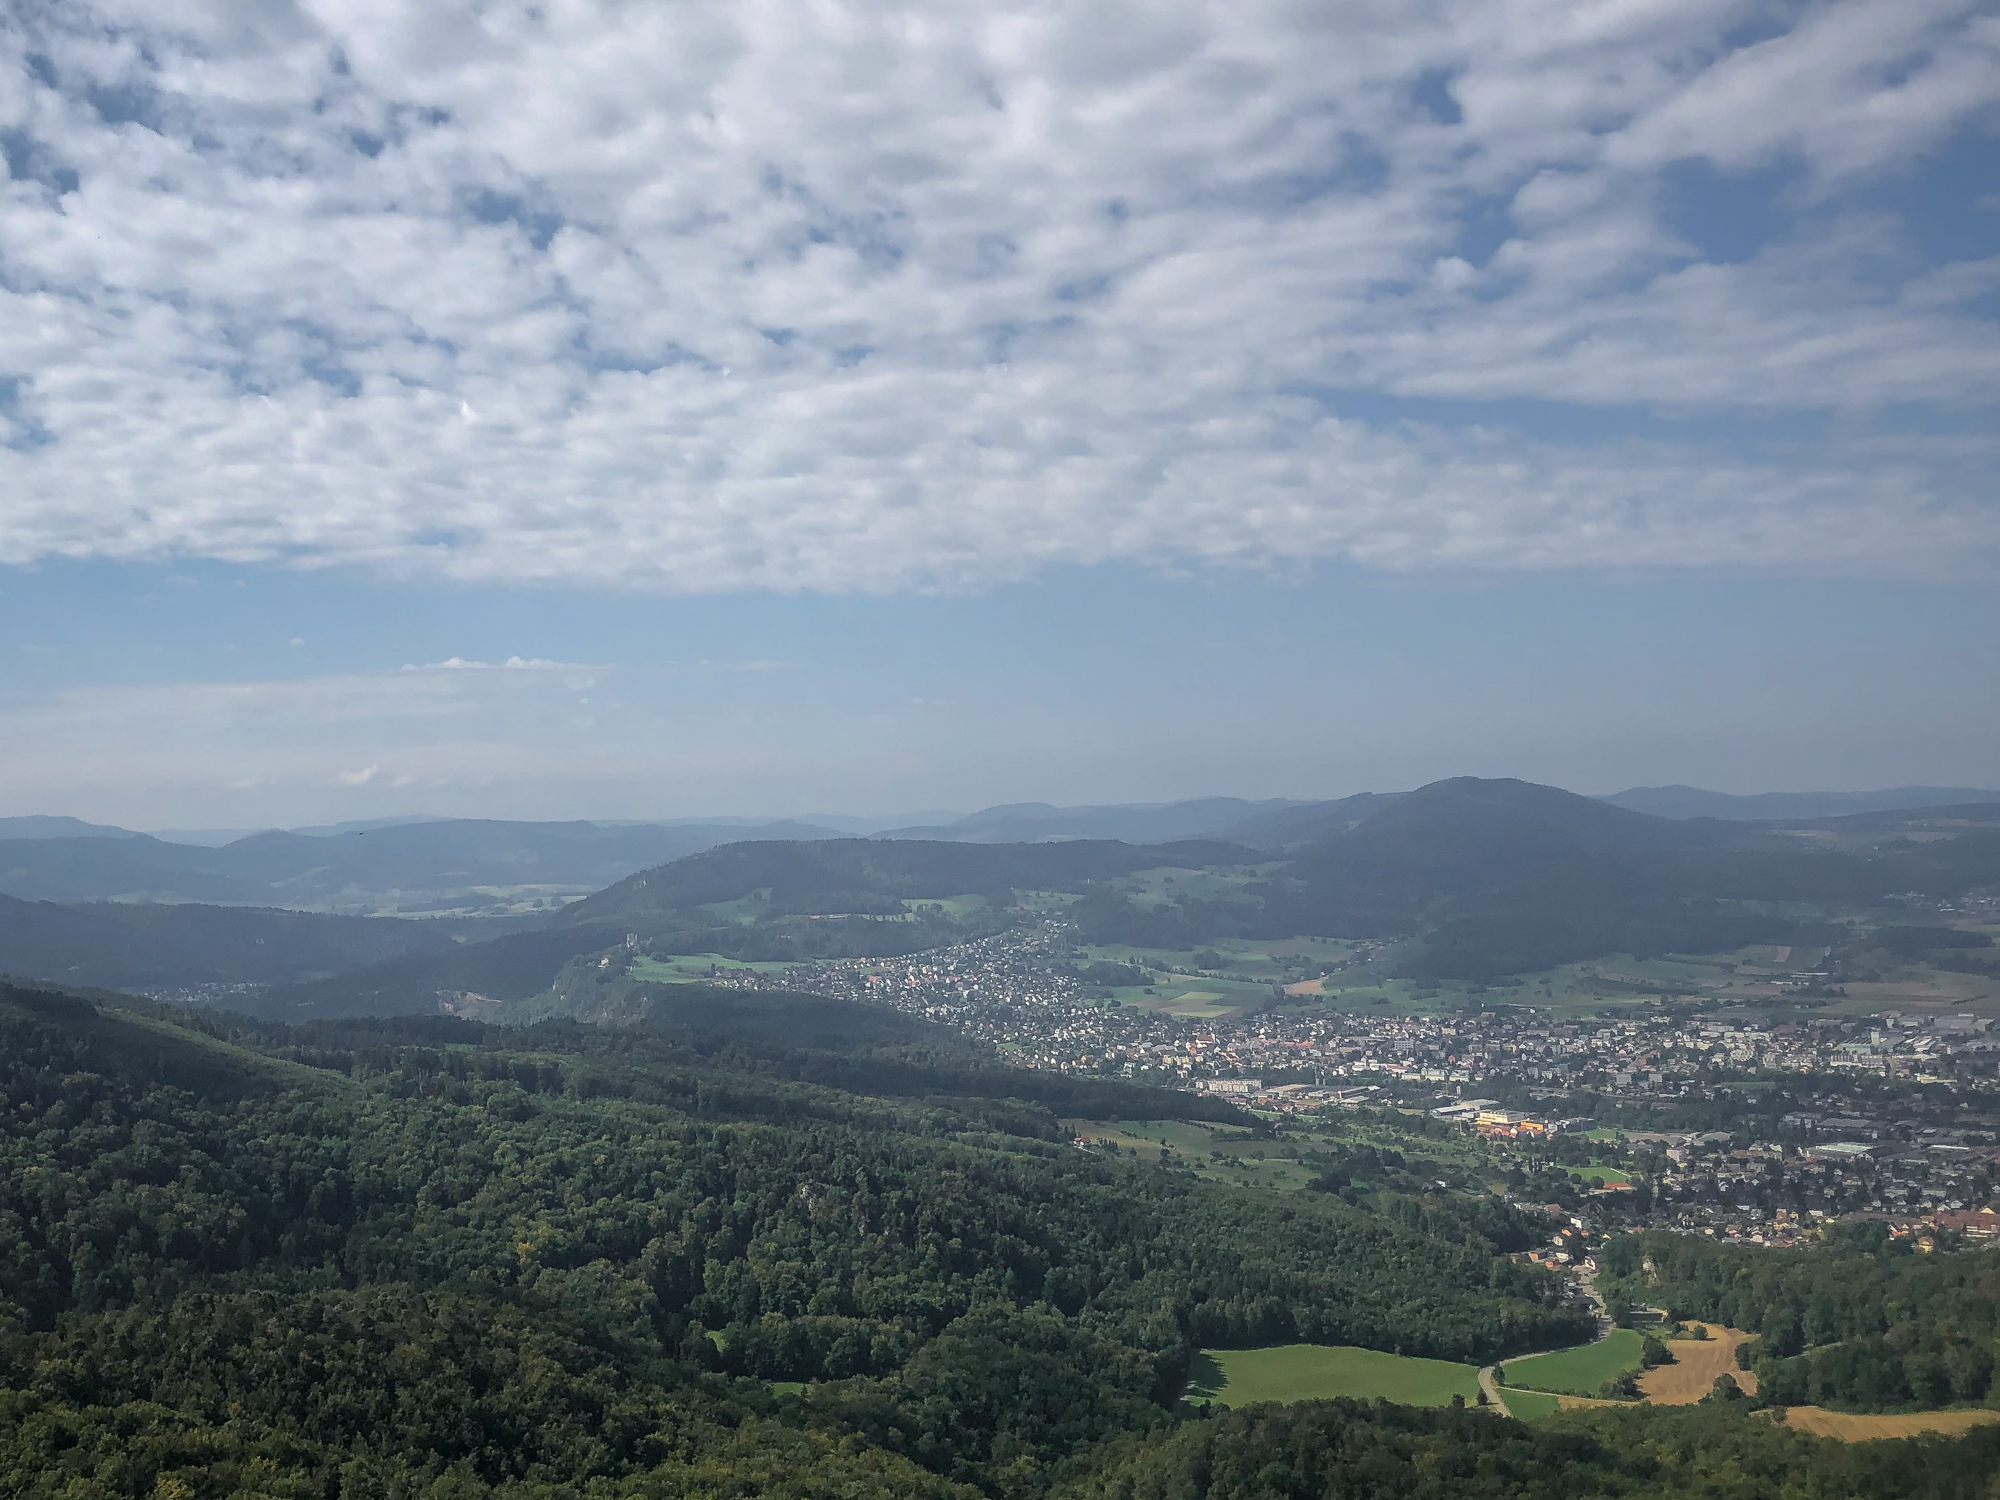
pixel 1135 823
pixel 416 865
pixel 1469 879
pixel 465 864
pixel 42 826
pixel 1281 822
pixel 1472 879
pixel 1693 802
pixel 172 948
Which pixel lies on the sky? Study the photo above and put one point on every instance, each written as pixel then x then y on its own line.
pixel 624 410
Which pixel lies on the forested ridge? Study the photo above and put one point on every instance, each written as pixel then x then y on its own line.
pixel 1320 1449
pixel 424 1257
pixel 1862 1323
pixel 402 1249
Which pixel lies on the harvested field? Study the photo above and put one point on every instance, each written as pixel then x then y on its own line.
pixel 1852 1427
pixel 1696 1364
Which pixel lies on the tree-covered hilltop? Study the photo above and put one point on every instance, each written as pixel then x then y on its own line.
pixel 1861 1323
pixel 402 1249
pixel 1318 1450
pixel 422 1257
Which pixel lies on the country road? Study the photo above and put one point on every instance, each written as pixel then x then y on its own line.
pixel 1489 1376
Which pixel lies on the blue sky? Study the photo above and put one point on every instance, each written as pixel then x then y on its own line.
pixel 177 697
pixel 862 406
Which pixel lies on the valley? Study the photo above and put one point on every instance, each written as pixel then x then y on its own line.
pixel 906 1166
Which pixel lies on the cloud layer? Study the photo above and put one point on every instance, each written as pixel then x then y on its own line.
pixel 847 296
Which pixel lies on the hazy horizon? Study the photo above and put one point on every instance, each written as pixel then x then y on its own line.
pixel 867 822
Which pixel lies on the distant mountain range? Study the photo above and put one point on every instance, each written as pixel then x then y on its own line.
pixel 423 866
pixel 1280 823
pixel 1471 879
pixel 460 864
pixel 1133 823
pixel 1693 802
pixel 156 949
pixel 43 827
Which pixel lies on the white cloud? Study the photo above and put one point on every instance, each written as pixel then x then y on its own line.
pixel 866 297
pixel 511 664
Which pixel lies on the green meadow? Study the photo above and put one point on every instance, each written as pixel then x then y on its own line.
pixel 1529 1406
pixel 1309 1372
pixel 1603 1176
pixel 1581 1371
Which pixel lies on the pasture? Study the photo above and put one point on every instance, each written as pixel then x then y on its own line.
pixel 687 968
pixel 1313 1372
pixel 1581 1371
pixel 1218 1153
pixel 1529 1406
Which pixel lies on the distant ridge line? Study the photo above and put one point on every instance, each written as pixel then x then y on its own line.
pixel 1694 802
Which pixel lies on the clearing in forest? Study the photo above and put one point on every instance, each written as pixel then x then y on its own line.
pixel 1312 1372
pixel 1696 1364
pixel 1581 1371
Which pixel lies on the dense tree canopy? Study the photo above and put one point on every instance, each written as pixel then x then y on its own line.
pixel 1861 1323
pixel 422 1257
pixel 532 1254
pixel 1326 1448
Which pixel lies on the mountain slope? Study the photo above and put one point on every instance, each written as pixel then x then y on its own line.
pixel 1491 877
pixel 1693 802
pixel 1136 823
pixel 1477 878
pixel 405 866
pixel 39 826
pixel 1307 822
pixel 155 948
pixel 760 901
pixel 832 877
pixel 1500 877
pixel 268 1260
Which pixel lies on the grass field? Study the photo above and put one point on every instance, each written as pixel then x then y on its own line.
pixel 1228 1153
pixel 1529 1406
pixel 1602 1175
pixel 688 967
pixel 1219 1153
pixel 1581 1371
pixel 1308 1372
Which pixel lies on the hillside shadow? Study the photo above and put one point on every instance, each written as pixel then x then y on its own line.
pixel 1206 1378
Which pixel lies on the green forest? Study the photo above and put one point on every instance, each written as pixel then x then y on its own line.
pixel 1862 1324
pixel 424 1257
